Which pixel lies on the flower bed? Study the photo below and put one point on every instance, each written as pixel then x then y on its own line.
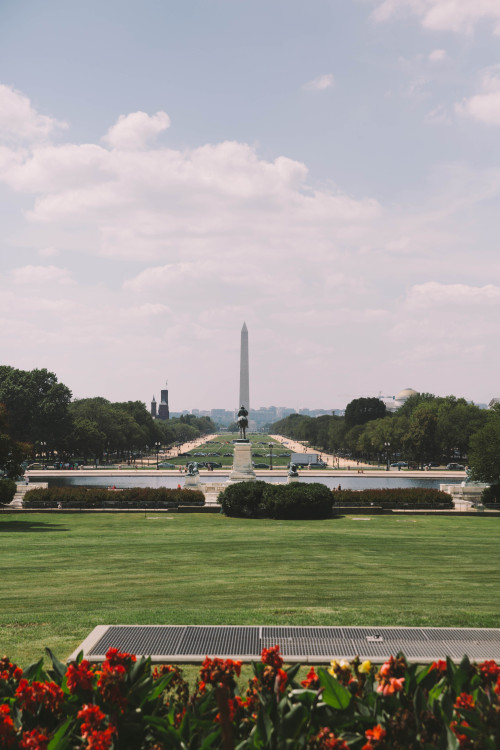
pixel 135 497
pixel 125 703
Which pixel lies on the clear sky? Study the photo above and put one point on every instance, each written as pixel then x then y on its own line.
pixel 325 170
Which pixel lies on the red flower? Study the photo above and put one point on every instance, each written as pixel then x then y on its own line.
pixel 91 728
pixel 79 676
pixel 464 701
pixel 101 739
pixel 463 740
pixel 111 683
pixel 115 658
pixel 92 718
pixel 311 681
pixel 272 657
pixel 218 672
pixel 7 731
pixel 489 670
pixel 326 740
pixel 45 694
pixel 34 740
pixel 281 680
pixel 439 665
pixel 9 671
pixel 375 733
pixel 391 685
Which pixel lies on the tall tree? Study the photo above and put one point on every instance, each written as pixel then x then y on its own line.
pixel 37 405
pixel 363 410
pixel 484 455
pixel 12 452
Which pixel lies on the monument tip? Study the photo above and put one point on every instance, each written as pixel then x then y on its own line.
pixel 244 328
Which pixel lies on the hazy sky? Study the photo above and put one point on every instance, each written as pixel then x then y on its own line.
pixel 326 170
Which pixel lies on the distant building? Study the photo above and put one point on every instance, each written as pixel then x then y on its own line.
pixel 161 411
pixel 493 402
pixel 393 403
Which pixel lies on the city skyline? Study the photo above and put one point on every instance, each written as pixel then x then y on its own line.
pixel 327 172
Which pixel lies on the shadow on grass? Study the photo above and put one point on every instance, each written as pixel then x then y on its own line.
pixel 30 526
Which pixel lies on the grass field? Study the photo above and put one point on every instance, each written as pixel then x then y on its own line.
pixel 64 574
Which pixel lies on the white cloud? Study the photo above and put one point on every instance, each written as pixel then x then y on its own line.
pixel 136 130
pixel 484 106
pixel 437 294
pixel 443 15
pixel 35 275
pixel 321 83
pixel 437 55
pixel 19 122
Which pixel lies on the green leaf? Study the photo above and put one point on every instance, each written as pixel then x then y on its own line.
pixel 159 687
pixel 334 694
pixel 61 739
pixel 35 671
pixel 292 671
pixel 213 740
pixel 304 696
pixel 59 669
pixel 294 720
pixel 461 675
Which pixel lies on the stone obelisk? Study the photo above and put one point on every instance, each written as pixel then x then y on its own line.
pixel 244 373
pixel 242 463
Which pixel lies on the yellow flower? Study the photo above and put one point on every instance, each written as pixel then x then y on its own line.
pixel 365 667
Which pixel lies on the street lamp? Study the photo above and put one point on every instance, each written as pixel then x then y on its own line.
pixel 271 445
pixel 387 446
pixel 157 449
pixel 43 447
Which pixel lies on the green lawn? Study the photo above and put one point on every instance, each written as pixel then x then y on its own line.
pixel 64 574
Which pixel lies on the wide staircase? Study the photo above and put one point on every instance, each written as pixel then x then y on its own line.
pixel 22 489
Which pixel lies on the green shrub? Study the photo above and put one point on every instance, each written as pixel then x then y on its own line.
pixel 94 497
pixel 7 490
pixel 297 501
pixel 243 499
pixel 394 498
pixel 491 495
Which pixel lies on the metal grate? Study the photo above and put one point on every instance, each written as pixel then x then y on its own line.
pixel 191 643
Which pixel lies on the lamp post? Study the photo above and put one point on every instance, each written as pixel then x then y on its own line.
pixel 157 449
pixel 271 456
pixel 387 446
pixel 43 448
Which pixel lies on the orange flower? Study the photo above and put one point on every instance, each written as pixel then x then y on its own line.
pixel 375 733
pixel 439 665
pixel 392 685
pixel 464 701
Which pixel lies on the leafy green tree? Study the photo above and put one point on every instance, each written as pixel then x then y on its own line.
pixel 484 454
pixel 363 410
pixel 12 452
pixel 37 404
pixel 420 440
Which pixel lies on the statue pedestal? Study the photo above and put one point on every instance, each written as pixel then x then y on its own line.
pixel 242 464
pixel 291 479
pixel 192 482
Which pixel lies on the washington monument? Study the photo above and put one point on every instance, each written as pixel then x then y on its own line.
pixel 244 374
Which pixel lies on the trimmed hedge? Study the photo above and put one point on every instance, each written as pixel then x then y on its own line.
pixel 423 497
pixel 7 490
pixel 135 497
pixel 295 501
pixel 243 499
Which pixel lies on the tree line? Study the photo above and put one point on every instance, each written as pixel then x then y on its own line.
pixel 425 429
pixel 39 417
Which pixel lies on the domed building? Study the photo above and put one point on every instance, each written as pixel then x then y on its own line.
pixel 399 400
